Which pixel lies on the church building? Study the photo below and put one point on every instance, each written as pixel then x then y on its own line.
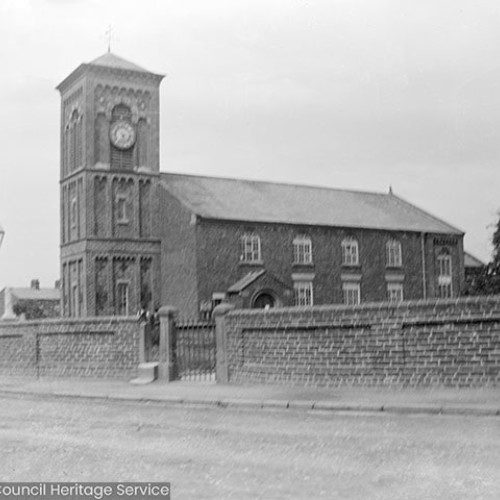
pixel 133 237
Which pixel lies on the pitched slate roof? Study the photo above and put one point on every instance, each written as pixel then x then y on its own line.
pixel 107 60
pixel 248 279
pixel 244 200
pixel 111 60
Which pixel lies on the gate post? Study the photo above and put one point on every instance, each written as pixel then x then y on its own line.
pixel 143 342
pixel 221 368
pixel 167 365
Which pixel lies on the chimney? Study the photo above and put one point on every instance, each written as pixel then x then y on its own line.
pixel 35 284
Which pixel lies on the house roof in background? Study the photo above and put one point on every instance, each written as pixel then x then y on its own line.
pixel 27 293
pixel 471 261
pixel 245 200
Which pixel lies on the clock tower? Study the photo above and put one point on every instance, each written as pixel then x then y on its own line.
pixel 110 248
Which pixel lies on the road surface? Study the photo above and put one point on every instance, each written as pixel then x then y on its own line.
pixel 211 453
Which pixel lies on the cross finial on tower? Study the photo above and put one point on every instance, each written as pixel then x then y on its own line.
pixel 109 34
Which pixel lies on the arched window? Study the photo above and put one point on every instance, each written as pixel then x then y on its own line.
pixel 78 142
pixel 350 253
pixel 121 112
pixel 393 253
pixel 122 298
pixel 302 250
pixel 122 202
pixel 74 142
pixel 250 248
pixel 444 274
pixel 74 213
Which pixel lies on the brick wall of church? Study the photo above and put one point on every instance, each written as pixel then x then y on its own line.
pixel 219 265
pixel 179 280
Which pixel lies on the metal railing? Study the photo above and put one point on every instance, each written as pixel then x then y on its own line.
pixel 194 350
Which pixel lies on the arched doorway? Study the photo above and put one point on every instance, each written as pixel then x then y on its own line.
pixel 263 300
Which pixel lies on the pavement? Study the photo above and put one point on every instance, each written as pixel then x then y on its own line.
pixel 450 401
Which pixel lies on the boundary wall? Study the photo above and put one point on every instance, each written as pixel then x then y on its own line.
pixel 452 342
pixel 76 347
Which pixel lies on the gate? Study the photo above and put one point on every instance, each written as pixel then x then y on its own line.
pixel 194 351
pixel 190 345
pixel 151 340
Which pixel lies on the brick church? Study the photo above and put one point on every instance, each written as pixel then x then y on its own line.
pixel 133 237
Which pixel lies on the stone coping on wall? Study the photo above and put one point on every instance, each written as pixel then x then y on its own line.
pixel 431 342
pixel 20 323
pixel 370 306
pixel 104 346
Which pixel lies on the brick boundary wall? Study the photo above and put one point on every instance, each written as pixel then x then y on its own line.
pixel 83 347
pixel 454 342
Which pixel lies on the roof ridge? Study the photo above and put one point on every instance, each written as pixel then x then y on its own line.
pixel 119 61
pixel 279 183
pixel 31 288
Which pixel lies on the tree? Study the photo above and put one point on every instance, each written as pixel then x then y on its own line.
pixel 31 310
pixel 487 280
pixel 496 247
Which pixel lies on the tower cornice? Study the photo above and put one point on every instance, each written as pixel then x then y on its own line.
pixel 98 70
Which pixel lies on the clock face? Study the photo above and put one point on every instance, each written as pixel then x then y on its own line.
pixel 122 134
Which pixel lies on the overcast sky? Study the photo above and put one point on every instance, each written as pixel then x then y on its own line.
pixel 356 94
